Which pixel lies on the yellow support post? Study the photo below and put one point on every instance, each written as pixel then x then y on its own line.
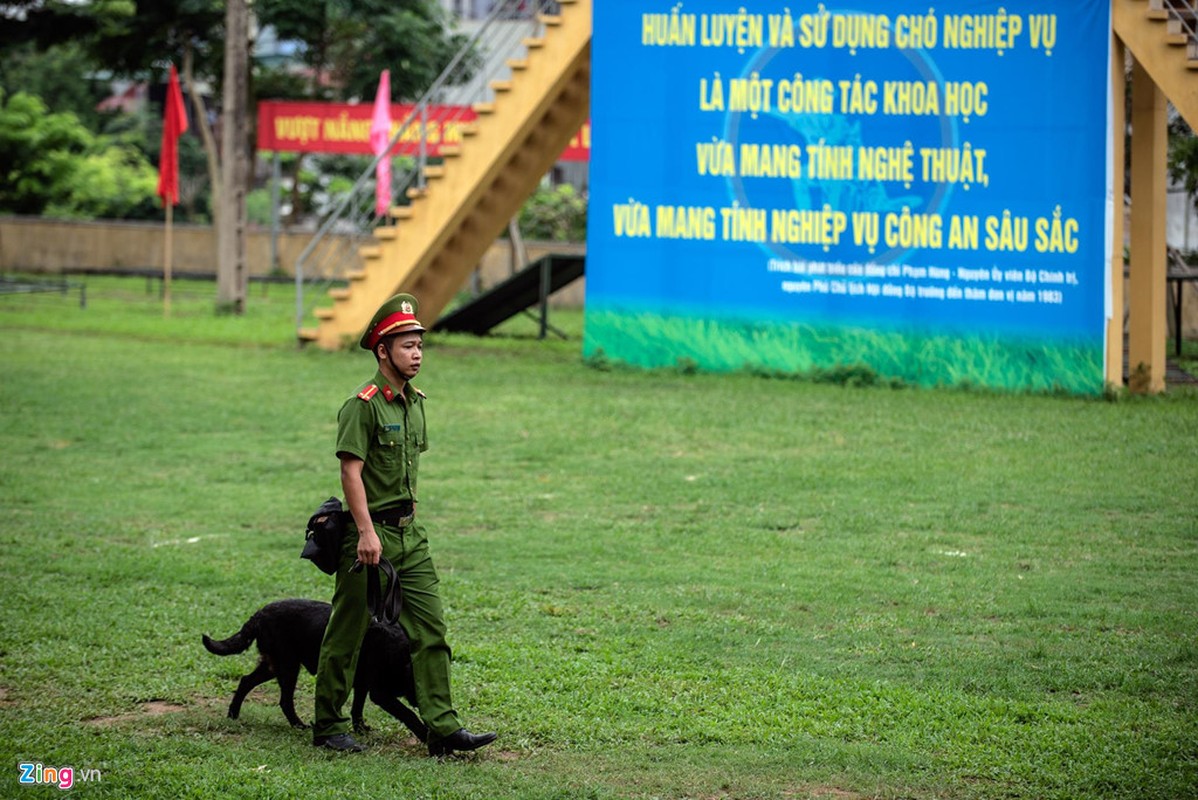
pixel 1146 286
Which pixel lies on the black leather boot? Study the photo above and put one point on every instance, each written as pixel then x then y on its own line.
pixel 460 740
pixel 341 742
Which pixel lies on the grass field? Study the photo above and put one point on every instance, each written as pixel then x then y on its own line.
pixel 658 584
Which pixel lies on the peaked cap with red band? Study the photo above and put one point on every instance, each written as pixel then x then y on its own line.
pixel 397 315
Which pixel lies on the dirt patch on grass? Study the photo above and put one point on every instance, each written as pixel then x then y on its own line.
pixel 824 793
pixel 150 708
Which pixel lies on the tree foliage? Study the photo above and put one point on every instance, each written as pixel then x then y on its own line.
pixel 1183 157
pixel 62 75
pixel 556 214
pixel 51 165
pixel 50 22
pixel 347 43
pixel 48 46
pixel 125 37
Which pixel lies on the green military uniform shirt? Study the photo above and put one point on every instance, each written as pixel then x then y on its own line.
pixel 386 430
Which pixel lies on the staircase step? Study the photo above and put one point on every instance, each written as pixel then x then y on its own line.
pixel 468 129
pixel 451 150
pixel 324 312
pixel 416 194
pixel 306 334
pixel 386 232
pixel 434 171
pixel 517 64
pixel 401 212
pixel 532 43
pixel 549 20
pixel 370 251
pixel 484 108
pixel 356 275
pixel 500 86
pixel 1176 39
pixel 340 293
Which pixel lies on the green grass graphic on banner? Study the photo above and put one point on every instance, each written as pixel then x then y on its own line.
pixel 851 354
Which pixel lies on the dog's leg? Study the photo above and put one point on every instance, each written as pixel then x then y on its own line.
pixel 397 709
pixel 287 679
pixel 355 713
pixel 261 674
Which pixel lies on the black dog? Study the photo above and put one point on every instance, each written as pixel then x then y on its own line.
pixel 289 633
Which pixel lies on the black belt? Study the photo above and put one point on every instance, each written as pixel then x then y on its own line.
pixel 398 517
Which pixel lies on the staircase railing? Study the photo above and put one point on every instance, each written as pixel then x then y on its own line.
pixel 1183 18
pixel 434 121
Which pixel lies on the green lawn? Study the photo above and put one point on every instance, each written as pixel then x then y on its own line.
pixel 659 584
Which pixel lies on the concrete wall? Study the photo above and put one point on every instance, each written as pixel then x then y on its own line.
pixel 29 244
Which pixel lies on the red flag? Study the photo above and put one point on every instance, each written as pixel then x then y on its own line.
pixel 174 122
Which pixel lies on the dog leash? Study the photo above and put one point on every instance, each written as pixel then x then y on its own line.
pixel 383 607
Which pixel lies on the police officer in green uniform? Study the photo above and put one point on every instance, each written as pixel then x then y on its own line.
pixel 380 436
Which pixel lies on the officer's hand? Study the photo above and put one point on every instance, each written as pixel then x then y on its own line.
pixel 369 547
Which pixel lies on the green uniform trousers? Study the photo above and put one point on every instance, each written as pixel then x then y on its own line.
pixel 422 619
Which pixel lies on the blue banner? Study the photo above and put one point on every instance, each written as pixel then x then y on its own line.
pixel 793 187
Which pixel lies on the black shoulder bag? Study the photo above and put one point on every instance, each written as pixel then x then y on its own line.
pixel 326 529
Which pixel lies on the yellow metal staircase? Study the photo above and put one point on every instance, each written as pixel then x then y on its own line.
pixel 431 245
pixel 1163 36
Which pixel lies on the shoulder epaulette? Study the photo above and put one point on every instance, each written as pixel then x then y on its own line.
pixel 368 393
pixel 422 394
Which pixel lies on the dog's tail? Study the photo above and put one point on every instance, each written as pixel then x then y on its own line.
pixel 237 643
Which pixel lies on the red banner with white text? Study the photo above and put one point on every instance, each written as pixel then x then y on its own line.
pixel 301 127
